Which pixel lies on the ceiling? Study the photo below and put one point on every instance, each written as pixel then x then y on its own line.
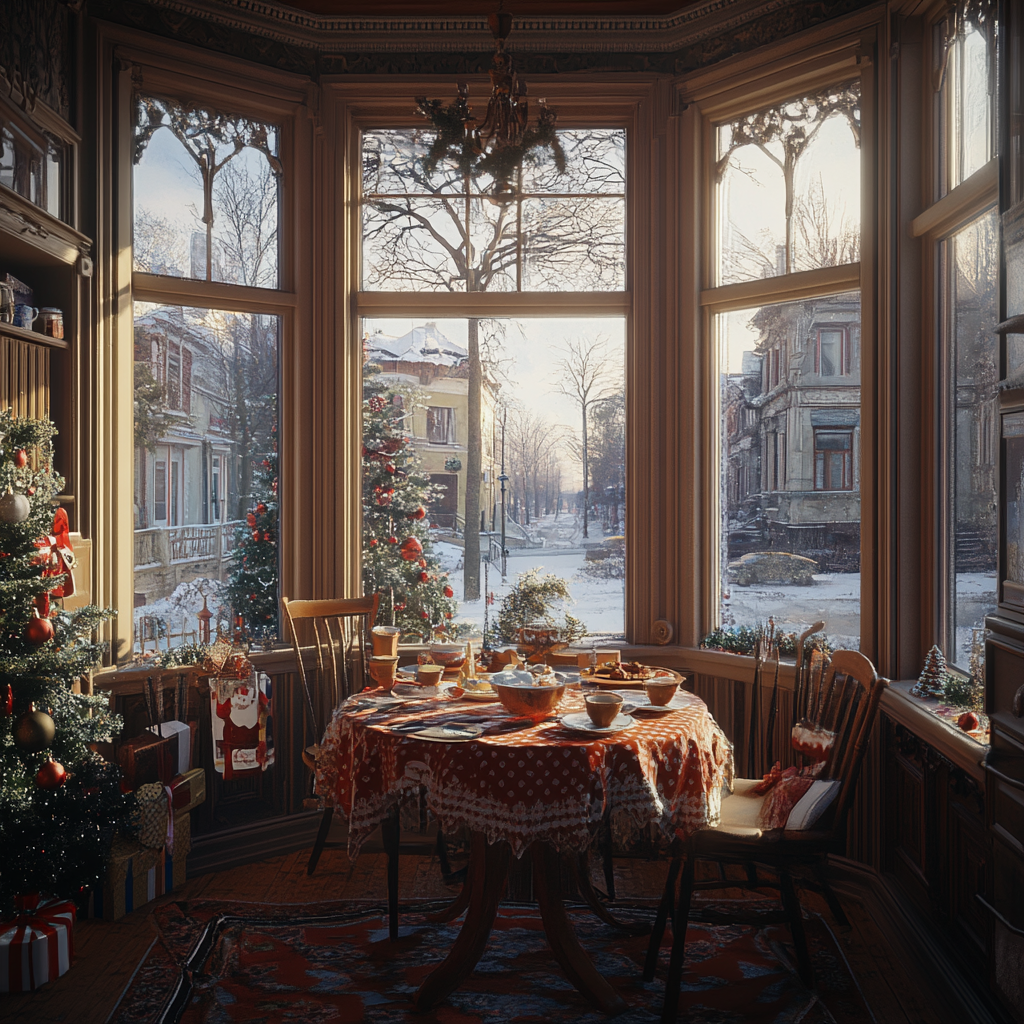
pixel 481 8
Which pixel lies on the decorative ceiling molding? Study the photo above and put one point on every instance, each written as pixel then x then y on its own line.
pixel 608 34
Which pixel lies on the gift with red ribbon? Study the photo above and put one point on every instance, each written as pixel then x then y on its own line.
pixel 38 944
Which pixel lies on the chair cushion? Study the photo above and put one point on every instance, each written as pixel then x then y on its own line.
pixel 813 804
pixel 740 810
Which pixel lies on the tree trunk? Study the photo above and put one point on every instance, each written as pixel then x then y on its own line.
pixel 474 465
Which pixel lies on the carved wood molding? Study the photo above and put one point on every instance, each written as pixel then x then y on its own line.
pixel 268 33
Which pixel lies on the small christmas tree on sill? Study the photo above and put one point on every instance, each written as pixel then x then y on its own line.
pixel 932 680
pixel 60 802
pixel 397 561
pixel 252 585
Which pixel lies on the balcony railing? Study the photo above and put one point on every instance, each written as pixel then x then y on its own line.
pixel 164 545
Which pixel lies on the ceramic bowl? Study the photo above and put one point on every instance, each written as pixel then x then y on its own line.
pixel 523 698
pixel 449 655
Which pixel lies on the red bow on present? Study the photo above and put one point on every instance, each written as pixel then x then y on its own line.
pixel 56 555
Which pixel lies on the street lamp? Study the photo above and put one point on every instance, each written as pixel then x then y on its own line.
pixel 504 552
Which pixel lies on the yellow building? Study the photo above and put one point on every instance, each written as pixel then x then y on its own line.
pixel 439 418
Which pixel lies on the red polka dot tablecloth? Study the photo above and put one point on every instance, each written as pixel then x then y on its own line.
pixel 541 782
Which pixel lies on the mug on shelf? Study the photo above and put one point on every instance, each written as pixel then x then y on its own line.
pixel 25 316
pixel 51 322
pixel 6 303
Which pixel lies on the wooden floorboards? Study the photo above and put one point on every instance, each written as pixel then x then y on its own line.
pixel 107 954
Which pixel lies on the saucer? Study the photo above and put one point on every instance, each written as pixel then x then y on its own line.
pixel 412 691
pixel 580 722
pixel 642 703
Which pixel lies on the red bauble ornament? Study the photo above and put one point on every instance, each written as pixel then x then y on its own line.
pixel 261 508
pixel 251 520
pixel 399 607
pixel 448 592
pixel 392 540
pixel 266 536
pixel 21 458
pixel 390 467
pixel 52 775
pixel 411 549
pixel 422 563
pixel 38 630
pixel 30 491
pixel 376 403
pixel 255 534
pixel 447 615
pixel 968 721
pixel 424 615
pixel 418 514
pixel 373 542
pixel 424 577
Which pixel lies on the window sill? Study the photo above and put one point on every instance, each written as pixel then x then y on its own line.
pixel 921 717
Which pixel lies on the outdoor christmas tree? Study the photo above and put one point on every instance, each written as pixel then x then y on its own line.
pixel 932 680
pixel 415 594
pixel 252 585
pixel 60 802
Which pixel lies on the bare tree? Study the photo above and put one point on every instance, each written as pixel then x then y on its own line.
pixel 158 246
pixel 438 231
pixel 532 443
pixel 248 203
pixel 586 375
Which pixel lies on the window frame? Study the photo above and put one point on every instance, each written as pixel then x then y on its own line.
pixel 715 97
pixel 948 211
pixel 844 361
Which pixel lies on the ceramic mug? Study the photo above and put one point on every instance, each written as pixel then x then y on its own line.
pixel 51 322
pixel 385 640
pixel 6 303
pixel 25 316
pixel 603 708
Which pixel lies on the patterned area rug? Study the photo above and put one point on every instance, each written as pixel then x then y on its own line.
pixel 334 963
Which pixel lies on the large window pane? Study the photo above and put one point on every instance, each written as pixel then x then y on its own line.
pixel 787 191
pixel 206 195
pixel 206 386
pixel 790 465
pixel 970 264
pixel 417 436
pixel 441 232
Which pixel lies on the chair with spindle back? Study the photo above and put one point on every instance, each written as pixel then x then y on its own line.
pixel 835 708
pixel 339 634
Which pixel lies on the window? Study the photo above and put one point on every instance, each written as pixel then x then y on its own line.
pixel 833 355
pixel 833 460
pixel 440 425
pixel 786 185
pixel 962 237
pixel 206 209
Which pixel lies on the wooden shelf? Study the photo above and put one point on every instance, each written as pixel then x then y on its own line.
pixel 34 337
pixel 35 237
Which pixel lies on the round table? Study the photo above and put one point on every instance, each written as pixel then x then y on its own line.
pixel 524 785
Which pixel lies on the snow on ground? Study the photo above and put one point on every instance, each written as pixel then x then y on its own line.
pixel 599 603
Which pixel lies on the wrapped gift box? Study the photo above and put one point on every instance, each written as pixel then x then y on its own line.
pixel 148 758
pixel 183 734
pixel 137 874
pixel 188 790
pixel 37 945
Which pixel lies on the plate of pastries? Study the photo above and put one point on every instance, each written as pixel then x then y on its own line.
pixel 619 675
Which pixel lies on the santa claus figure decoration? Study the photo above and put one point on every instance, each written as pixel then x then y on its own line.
pixel 242 715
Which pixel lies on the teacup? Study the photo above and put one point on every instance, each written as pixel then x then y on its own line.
pixel 385 640
pixel 429 675
pixel 660 691
pixel 383 669
pixel 603 708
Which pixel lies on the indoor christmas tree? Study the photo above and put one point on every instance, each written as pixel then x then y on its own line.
pixel 252 585
pixel 60 802
pixel 932 680
pixel 415 594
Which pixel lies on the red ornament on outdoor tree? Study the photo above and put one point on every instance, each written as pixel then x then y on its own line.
pixel 392 539
pixel 251 520
pixel 21 458
pixel 373 542
pixel 448 592
pixel 422 563
pixel 424 577
pixel 261 508
pixel 52 775
pixel 412 549
pixel 38 630
pixel 255 534
pixel 418 514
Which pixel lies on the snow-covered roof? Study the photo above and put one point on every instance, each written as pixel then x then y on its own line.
pixel 424 344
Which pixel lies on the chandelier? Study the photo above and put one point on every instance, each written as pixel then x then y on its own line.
pixel 498 145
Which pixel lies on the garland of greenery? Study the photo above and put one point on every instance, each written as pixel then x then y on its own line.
pixel 744 640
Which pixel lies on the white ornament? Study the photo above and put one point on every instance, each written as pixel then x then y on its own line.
pixel 14 508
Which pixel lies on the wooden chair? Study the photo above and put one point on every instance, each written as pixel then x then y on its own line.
pixel 339 631
pixel 838 702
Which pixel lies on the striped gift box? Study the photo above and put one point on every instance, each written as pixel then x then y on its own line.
pixel 38 945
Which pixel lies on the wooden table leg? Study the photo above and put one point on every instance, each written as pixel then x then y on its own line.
pixel 578 967
pixel 390 832
pixel 489 872
pixel 581 869
pixel 461 902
